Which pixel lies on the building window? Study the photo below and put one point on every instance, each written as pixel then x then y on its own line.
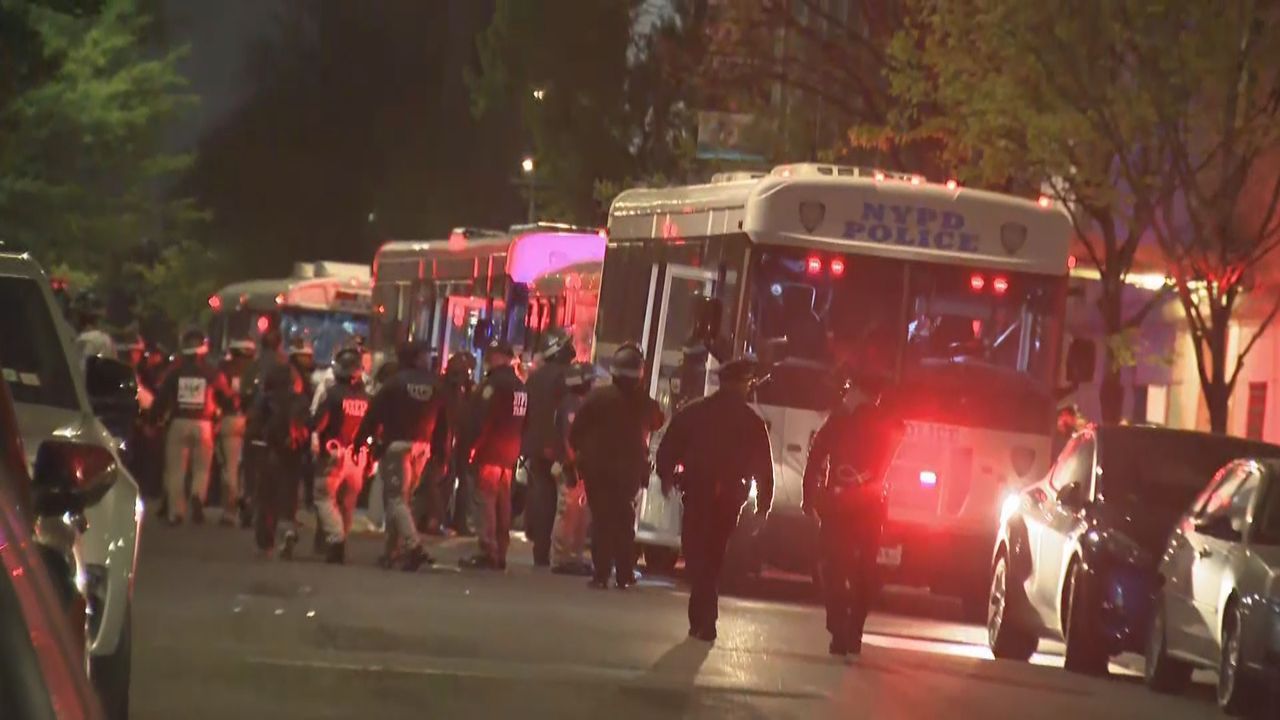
pixel 1151 404
pixel 1257 410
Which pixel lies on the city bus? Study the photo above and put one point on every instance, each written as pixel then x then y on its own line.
pixel 955 297
pixel 460 292
pixel 325 302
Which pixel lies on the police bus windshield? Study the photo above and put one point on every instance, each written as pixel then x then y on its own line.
pixel 870 315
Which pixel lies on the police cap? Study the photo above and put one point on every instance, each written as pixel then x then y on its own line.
pixel 628 362
pixel 739 370
pixel 346 363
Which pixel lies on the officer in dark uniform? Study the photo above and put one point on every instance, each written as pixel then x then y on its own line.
pixel 712 451
pixel 610 439
pixel 504 405
pixel 546 388
pixel 844 488
pixel 569 534
pixel 236 369
pixel 341 461
pixel 443 485
pixel 460 388
pixel 402 419
pixel 254 401
pixel 302 356
pixel 189 399
pixel 280 418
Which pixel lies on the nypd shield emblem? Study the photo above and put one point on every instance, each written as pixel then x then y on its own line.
pixel 811 215
pixel 1012 237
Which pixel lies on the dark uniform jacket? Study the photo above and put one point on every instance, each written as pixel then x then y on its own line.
pixel 545 387
pixel 504 406
pixel 193 390
pixel 340 414
pixel 281 409
pixel 850 455
pixel 610 435
pixel 712 450
pixel 570 404
pixel 405 409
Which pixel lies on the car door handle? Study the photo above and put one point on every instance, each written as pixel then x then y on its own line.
pixel 1204 552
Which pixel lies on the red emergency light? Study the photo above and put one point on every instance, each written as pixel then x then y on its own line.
pixel 215 303
pixel 264 324
pixel 1000 285
pixel 977 283
pixel 1045 201
pixel 837 267
pixel 813 265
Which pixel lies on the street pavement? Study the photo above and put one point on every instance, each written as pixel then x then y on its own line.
pixel 220 634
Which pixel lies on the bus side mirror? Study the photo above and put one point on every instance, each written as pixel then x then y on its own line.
pixel 1082 358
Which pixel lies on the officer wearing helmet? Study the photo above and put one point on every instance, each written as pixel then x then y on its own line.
pixel 270 359
pixel 501 413
pixel 713 450
pixel 340 461
pixel 546 387
pixel 569 533
pixel 279 422
pixel 302 356
pixel 844 489
pixel 610 441
pixel 402 419
pixel 446 475
pixel 189 399
pixel 91 339
pixel 236 369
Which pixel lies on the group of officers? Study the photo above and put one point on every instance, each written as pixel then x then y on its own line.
pixel 438 439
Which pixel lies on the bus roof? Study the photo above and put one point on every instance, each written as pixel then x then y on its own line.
pixel 526 252
pixel 350 294
pixel 842 209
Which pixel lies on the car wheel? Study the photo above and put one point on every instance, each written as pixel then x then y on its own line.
pixel 1164 673
pixel 660 560
pixel 1236 691
pixel 1085 653
pixel 111 673
pixel 1006 640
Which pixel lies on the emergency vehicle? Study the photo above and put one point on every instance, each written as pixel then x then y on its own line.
pixel 458 293
pixel 955 296
pixel 325 302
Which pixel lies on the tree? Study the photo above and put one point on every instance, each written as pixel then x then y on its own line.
pixel 80 132
pixel 1189 108
pixel 974 78
pixel 598 108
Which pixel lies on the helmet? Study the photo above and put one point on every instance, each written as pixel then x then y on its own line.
pixel 242 347
pixel 194 342
pixel 555 344
pixel 413 353
pixel 580 377
pixel 301 346
pixel 460 365
pixel 346 363
pixel 738 370
pixel 628 362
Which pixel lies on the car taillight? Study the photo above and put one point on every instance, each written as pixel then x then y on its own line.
pixel 813 265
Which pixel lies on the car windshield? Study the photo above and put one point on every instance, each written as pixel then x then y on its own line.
pixel 31 352
pixel 979 334
pixel 327 331
pixel 1158 473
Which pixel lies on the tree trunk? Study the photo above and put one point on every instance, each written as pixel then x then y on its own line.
pixel 1111 392
pixel 1216 399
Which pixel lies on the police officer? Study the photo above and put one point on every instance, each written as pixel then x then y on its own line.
pixel 463 415
pixel 569 534
pixel 340 460
pixel 844 488
pixel 402 417
pixel 503 407
pixel 236 369
pixel 442 474
pixel 302 356
pixel 712 451
pixel 546 387
pixel 610 440
pixel 189 399
pixel 280 419
pixel 254 459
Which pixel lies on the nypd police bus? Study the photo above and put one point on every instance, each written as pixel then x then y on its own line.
pixel 458 293
pixel 826 272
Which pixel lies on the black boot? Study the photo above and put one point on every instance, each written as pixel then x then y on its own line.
pixel 336 554
pixel 416 558
pixel 197 511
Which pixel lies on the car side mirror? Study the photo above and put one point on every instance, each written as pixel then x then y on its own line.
pixel 1218 526
pixel 113 393
pixel 1073 496
pixel 69 476
pixel 1082 359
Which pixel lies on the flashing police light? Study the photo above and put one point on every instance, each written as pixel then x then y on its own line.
pixel 928 478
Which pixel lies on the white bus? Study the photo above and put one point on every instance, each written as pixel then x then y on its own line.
pixel 459 292
pixel 956 295
pixel 325 302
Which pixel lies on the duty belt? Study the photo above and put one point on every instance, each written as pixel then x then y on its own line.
pixel 343 453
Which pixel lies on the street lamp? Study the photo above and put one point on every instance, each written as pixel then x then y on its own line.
pixel 526 165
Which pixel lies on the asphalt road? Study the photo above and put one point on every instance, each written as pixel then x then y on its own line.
pixel 219 634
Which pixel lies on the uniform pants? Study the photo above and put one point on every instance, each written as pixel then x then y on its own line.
pixel 188 445
pixel 540 510
pixel 431 504
pixel 493 511
pixel 849 544
pixel 401 470
pixel 569 536
pixel 231 442
pixel 613 530
pixel 463 506
pixel 277 496
pixel 338 482
pixel 704 537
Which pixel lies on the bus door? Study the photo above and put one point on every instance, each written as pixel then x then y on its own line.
pixel 464 315
pixel 658 519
